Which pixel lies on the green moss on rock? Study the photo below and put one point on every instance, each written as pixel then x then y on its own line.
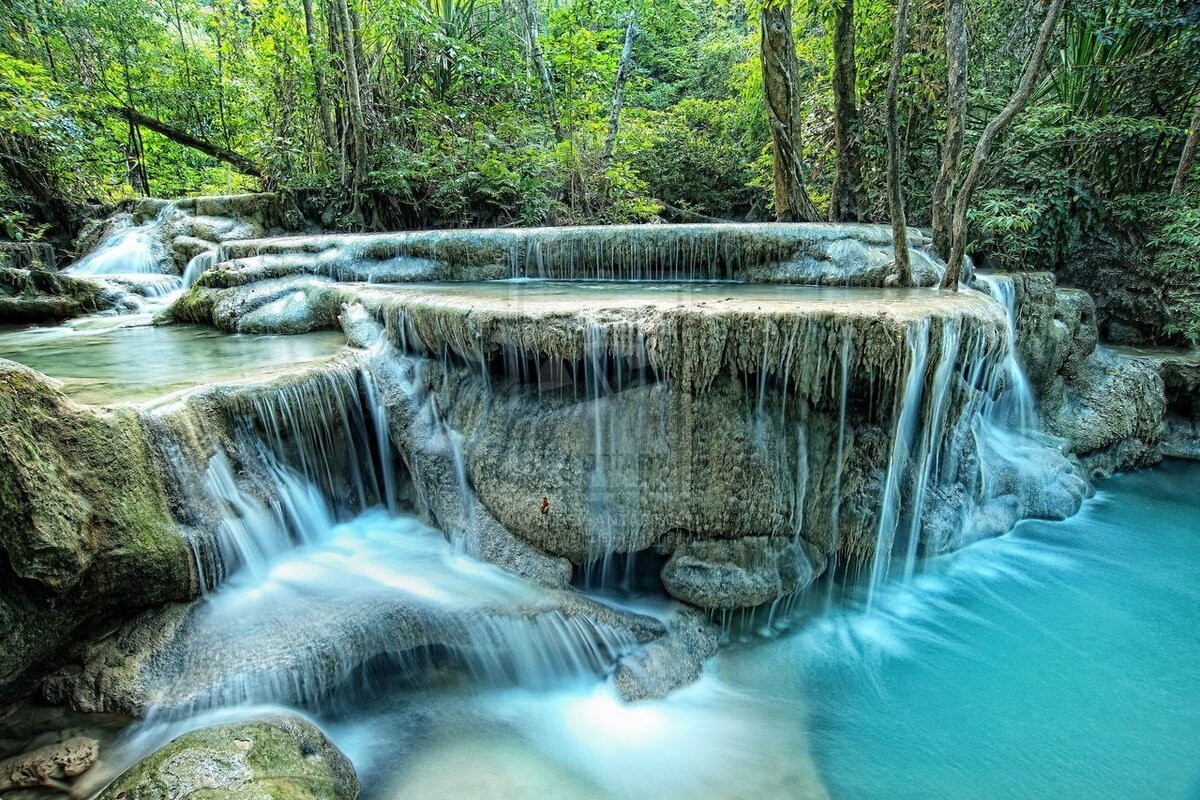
pixel 85 531
pixel 275 758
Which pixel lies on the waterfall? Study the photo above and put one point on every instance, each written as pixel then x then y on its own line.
pixel 196 266
pixel 133 251
pixel 1017 400
pixel 908 419
pixel 322 588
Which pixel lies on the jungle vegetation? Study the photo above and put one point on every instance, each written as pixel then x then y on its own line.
pixel 1057 134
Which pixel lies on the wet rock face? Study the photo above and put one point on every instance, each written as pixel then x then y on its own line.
pixel 738 573
pixel 32 291
pixel 84 528
pixel 1109 404
pixel 718 437
pixel 263 759
pixel 810 253
pixel 50 767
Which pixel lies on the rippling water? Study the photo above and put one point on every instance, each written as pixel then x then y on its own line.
pixel 1060 661
pixel 125 359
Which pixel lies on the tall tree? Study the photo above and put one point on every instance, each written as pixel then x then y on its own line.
pixel 545 78
pixel 1189 154
pixel 354 101
pixel 324 108
pixel 848 202
pixel 781 85
pixel 987 139
pixel 903 263
pixel 956 118
pixel 623 67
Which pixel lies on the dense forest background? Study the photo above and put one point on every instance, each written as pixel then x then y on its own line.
pixel 386 114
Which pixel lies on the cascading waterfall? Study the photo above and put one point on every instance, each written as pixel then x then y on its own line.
pixel 197 265
pixel 133 251
pixel 1017 400
pixel 328 589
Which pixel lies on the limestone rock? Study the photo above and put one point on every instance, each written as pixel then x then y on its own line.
pixel 37 295
pixel 84 523
pixel 664 665
pixel 737 573
pixel 272 758
pixel 1111 412
pixel 286 306
pixel 49 767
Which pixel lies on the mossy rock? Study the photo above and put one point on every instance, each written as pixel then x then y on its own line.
pixel 85 530
pixel 274 758
pixel 33 293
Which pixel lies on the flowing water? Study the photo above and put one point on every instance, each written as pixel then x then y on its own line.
pixel 124 359
pixel 1057 661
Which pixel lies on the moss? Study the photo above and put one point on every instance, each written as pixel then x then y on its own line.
pixel 196 305
pixel 277 758
pixel 40 295
pixel 85 531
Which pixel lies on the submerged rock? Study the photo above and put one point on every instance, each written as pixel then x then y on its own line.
pixel 273 758
pixel 84 524
pixel 737 573
pixel 51 766
pixel 666 664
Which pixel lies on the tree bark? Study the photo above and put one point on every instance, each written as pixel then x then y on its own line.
pixel 235 160
pixel 542 68
pixel 781 86
pixel 135 155
pixel 354 102
pixel 1189 154
pixel 956 117
pixel 895 192
pixel 987 139
pixel 849 201
pixel 323 106
pixel 614 116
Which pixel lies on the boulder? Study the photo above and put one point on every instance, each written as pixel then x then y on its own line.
pixel 85 531
pixel 37 295
pixel 1111 412
pixel 737 573
pixel 656 669
pixel 272 758
pixel 285 306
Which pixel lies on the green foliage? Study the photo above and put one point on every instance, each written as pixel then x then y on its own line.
pixel 1174 248
pixel 459 129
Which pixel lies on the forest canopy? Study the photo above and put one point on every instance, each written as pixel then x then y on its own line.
pixel 383 114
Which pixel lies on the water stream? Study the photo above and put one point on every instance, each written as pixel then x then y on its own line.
pixel 1055 661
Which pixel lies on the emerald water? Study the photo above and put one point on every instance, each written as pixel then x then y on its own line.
pixel 1058 661
pixel 125 359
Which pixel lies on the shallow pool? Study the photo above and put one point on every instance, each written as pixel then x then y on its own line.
pixel 1060 661
pixel 125 359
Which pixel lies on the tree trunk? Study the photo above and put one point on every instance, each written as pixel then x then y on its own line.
pixel 235 160
pixel 614 116
pixel 987 139
pixel 848 202
pixel 895 192
pixel 1189 154
pixel 956 117
pixel 542 68
pixel 323 106
pixel 354 102
pixel 134 152
pixel 781 85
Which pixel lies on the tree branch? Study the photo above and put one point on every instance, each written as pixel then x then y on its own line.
pixel 236 160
